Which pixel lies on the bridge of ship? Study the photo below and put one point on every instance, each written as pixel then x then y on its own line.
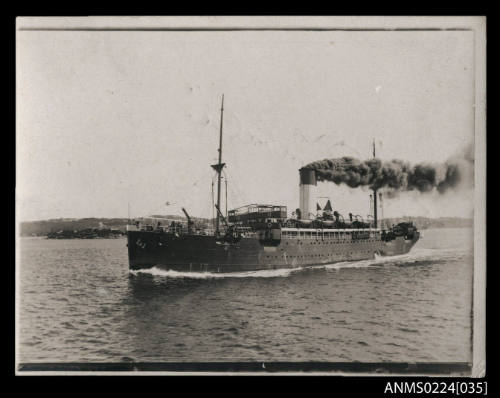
pixel 256 212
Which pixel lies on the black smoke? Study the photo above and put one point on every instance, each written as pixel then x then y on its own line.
pixel 397 175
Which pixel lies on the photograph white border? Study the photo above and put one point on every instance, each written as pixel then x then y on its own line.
pixel 477 24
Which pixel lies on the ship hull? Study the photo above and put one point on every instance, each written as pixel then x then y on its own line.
pixel 201 253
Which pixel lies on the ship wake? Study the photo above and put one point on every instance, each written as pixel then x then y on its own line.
pixel 417 256
pixel 274 273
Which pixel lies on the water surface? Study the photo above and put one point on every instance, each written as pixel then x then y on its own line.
pixel 78 302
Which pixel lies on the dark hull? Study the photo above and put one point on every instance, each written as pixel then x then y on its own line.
pixel 199 253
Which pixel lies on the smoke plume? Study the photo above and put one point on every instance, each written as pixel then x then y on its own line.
pixel 397 175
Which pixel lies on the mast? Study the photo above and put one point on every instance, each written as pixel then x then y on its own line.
pixel 374 195
pixel 218 167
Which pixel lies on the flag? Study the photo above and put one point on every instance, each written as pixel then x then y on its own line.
pixel 328 206
pixel 318 207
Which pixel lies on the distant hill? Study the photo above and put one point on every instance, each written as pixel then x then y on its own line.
pixel 45 227
pixel 425 222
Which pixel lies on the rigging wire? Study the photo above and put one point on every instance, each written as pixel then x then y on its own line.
pixel 225 183
pixel 236 192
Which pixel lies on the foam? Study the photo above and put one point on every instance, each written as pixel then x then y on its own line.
pixel 272 273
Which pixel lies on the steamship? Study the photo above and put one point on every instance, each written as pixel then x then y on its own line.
pixel 262 236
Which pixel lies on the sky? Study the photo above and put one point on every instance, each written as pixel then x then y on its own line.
pixel 112 123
